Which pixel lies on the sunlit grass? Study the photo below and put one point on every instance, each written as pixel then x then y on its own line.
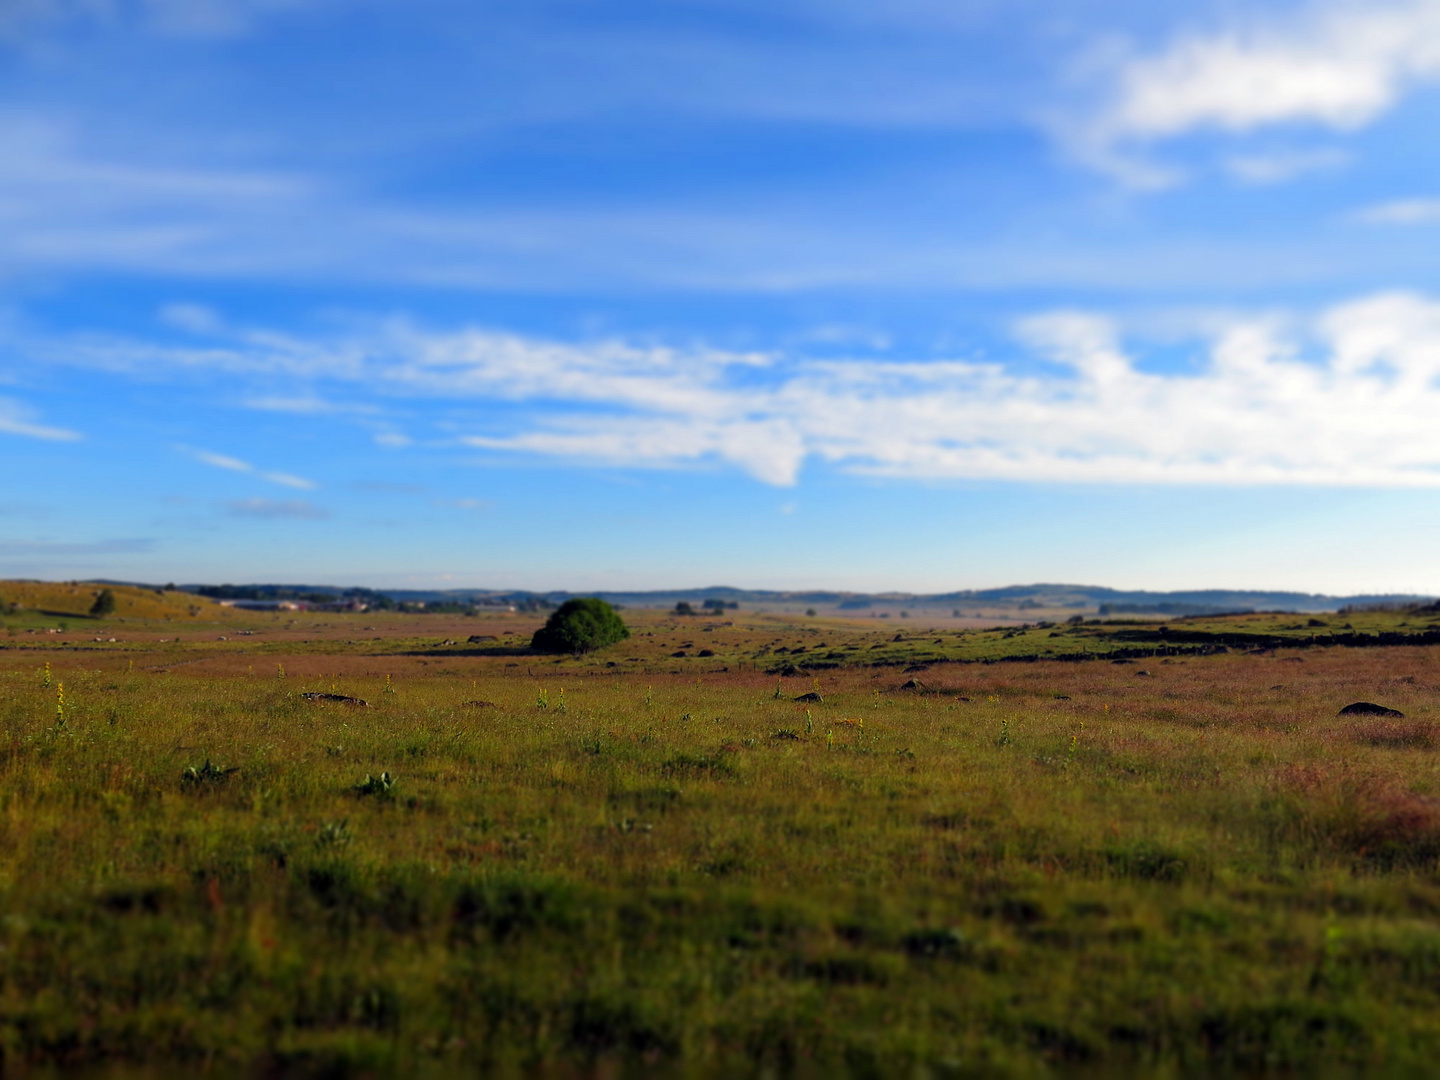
pixel 1015 866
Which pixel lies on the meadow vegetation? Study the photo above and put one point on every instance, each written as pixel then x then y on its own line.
pixel 947 859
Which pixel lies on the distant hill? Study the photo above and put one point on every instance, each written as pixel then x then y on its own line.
pixel 75 599
pixel 1080 598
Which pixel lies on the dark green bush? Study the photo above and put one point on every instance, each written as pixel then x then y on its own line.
pixel 104 604
pixel 580 626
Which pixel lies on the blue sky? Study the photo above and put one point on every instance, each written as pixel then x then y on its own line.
pixel 918 294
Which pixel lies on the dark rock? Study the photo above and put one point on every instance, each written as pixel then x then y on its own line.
pixel 480 704
pixel 913 684
pixel 787 670
pixel 916 667
pixel 812 696
pixel 681 652
pixel 344 699
pixel 706 652
pixel 1368 708
pixel 480 639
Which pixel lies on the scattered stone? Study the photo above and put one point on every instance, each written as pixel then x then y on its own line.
pixel 913 684
pixel 1142 671
pixel 448 641
pixel 680 652
pixel 480 704
pixel 812 696
pixel 1368 708
pixel 222 637
pixel 706 652
pixel 917 667
pixel 480 639
pixel 1122 661
pixel 344 699
pixel 788 670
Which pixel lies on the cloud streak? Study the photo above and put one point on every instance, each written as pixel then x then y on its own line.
pixel 136 546
pixel 16 419
pixel 271 509
pixel 1346 397
pixel 231 464
pixel 1403 212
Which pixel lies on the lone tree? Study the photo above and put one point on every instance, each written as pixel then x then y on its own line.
pixel 580 626
pixel 104 604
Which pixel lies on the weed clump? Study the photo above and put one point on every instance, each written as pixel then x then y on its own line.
pixel 579 626
pixel 382 785
pixel 206 775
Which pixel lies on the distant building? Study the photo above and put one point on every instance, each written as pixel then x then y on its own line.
pixel 350 603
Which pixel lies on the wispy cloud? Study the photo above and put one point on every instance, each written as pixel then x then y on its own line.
pixel 1279 166
pixel 16 419
pixel 192 318
pixel 135 546
pixel 1402 212
pixel 1345 397
pixel 185 18
pixel 272 508
pixel 1334 64
pixel 224 461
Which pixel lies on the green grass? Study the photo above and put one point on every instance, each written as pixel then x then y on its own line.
pixel 1197 870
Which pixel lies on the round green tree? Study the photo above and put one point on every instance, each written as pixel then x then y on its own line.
pixel 580 626
pixel 104 604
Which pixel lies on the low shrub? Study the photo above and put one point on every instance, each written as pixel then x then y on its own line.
pixel 580 626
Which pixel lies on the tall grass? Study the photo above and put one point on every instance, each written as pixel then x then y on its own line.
pixel 1198 869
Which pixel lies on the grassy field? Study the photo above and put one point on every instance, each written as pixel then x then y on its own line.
pixel 640 862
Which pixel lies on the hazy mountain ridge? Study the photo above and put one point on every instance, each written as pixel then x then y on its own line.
pixel 1036 595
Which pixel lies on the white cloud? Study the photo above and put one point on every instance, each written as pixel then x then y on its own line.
pixel 16 419
pixel 1336 65
pixel 224 461
pixel 1402 212
pixel 1347 397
